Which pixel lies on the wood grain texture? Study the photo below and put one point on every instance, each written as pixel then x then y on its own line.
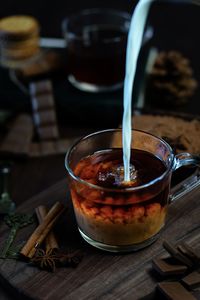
pixel 100 275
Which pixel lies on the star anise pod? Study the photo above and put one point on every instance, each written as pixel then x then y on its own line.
pixel 50 259
pixel 171 80
pixel 46 260
pixel 70 258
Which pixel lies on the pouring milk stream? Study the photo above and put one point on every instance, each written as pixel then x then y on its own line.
pixel 135 36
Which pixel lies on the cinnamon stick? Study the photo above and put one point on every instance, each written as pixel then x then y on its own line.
pixel 42 230
pixel 50 241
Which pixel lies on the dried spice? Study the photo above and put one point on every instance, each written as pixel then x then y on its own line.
pixel 170 82
pixel 50 256
pixel 70 258
pixel 50 259
pixel 45 260
pixel 50 240
pixel 40 233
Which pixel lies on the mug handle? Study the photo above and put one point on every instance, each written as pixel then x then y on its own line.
pixel 192 182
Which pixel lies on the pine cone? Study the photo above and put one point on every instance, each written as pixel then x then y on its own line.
pixel 171 82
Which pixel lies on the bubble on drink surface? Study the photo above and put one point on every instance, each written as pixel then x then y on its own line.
pixel 115 177
pixel 119 177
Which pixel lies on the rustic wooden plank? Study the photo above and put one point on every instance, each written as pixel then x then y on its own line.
pixel 100 275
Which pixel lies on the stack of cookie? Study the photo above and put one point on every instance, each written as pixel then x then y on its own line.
pixel 19 39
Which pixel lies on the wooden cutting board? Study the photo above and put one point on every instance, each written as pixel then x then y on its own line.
pixel 100 275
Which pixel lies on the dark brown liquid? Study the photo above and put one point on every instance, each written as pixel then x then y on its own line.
pixel 115 215
pixel 105 168
pixel 100 57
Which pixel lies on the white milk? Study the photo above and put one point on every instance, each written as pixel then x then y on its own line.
pixel 135 36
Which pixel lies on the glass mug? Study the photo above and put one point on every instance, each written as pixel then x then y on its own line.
pixel 111 215
pixel 96 47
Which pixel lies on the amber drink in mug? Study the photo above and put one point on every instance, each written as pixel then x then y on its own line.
pixel 96 48
pixel 111 214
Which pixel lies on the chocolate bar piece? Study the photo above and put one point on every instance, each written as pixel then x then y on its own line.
pixel 48 132
pixel 167 266
pixel 177 255
pixel 42 149
pixel 41 102
pixel 44 113
pixel 34 150
pixel 62 145
pixel 49 148
pixel 174 291
pixel 192 280
pixel 44 117
pixel 18 139
pixel 188 251
pixel 40 87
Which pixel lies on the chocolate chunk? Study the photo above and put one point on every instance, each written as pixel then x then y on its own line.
pixel 46 148
pixel 62 145
pixel 44 117
pixel 176 254
pixel 44 113
pixel 167 266
pixel 40 87
pixel 192 280
pixel 34 150
pixel 42 102
pixel 188 251
pixel 174 291
pixel 48 132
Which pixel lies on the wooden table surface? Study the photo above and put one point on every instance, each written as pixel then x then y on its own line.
pixel 124 275
pixel 33 176
pixel 30 178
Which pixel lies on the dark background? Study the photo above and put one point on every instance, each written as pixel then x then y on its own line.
pixel 51 13
pixel 175 25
